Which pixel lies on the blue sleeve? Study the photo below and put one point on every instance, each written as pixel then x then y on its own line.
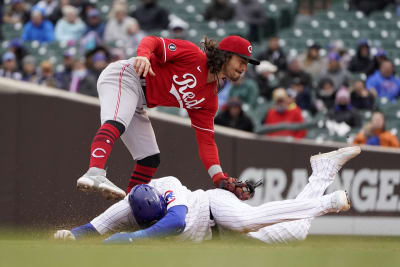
pixel 173 223
pixel 25 32
pixel 50 32
pixel 371 82
pixel 84 230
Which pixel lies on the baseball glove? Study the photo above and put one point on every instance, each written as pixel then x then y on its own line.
pixel 242 190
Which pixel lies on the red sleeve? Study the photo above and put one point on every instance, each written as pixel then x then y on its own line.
pixel 203 123
pixel 150 45
pixel 168 49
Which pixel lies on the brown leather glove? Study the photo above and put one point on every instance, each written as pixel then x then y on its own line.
pixel 242 190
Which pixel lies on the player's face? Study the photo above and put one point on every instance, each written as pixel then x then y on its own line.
pixel 235 67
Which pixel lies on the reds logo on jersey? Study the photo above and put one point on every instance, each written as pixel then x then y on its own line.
pixel 185 97
pixel 169 196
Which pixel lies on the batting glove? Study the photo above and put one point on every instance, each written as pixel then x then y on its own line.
pixel 64 235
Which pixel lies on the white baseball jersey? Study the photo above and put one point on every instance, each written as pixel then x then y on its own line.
pixel 198 223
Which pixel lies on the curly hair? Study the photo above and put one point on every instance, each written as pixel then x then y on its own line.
pixel 216 58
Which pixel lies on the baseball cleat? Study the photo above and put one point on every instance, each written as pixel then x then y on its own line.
pixel 340 156
pixel 340 201
pixel 94 180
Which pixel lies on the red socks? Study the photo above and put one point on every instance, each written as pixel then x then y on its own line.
pixel 140 175
pixel 102 145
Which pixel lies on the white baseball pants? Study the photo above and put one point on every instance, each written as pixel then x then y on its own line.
pixel 122 99
pixel 278 221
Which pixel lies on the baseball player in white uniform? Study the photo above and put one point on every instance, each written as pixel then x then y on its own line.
pixel 165 207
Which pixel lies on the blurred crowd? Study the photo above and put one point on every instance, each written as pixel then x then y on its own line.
pixel 337 85
pixel 77 23
pixel 321 80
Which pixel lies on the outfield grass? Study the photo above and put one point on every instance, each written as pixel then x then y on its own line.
pixel 40 250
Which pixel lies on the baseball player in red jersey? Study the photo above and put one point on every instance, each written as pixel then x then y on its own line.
pixel 166 72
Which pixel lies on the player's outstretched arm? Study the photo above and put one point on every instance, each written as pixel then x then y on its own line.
pixel 76 233
pixel 173 223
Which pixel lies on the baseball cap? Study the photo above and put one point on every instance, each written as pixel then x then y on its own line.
pixel 239 46
pixel 334 56
pixel 94 12
pixel 266 66
pixel 8 56
pixel 99 56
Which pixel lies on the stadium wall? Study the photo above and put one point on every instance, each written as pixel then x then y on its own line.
pixel 45 140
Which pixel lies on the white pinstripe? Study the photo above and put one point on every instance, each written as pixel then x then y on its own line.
pixel 324 172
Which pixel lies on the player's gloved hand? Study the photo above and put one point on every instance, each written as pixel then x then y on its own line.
pixel 142 66
pixel 64 235
pixel 242 190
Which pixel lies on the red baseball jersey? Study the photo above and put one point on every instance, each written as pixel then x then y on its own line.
pixel 181 81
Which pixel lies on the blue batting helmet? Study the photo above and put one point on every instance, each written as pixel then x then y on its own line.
pixel 147 204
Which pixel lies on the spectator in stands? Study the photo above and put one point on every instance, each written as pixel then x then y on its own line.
pixel 17 12
pixel 369 6
pixel 295 72
pixel 335 72
pixel 234 117
pixel 118 24
pixel 64 77
pixel 29 69
pixel 302 96
pixel 376 61
pixel 38 28
pixel 311 62
pixel 49 6
pixel 375 134
pixel 361 98
pixel 70 27
pixel 178 28
pixel 46 75
pixel 246 90
pixel 343 110
pixel 338 47
pixel 95 23
pixel 253 13
pixel 274 54
pixel 326 94
pixel 284 110
pixel 362 61
pixel 83 6
pixel 266 79
pixel 151 16
pixel 82 80
pixel 220 10
pixel 384 82
pixel 9 67
pixel 17 48
pixel 100 62
pixel 57 12
pixel 135 35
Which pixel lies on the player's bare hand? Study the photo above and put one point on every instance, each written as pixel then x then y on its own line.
pixel 64 235
pixel 142 66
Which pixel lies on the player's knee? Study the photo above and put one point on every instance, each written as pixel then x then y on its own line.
pixel 120 127
pixel 152 161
